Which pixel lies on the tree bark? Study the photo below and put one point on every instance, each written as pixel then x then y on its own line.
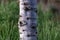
pixel 5 2
pixel 28 20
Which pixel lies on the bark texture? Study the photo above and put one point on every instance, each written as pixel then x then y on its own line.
pixel 28 20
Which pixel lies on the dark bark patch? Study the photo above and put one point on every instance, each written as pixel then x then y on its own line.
pixel 36 11
pixel 24 30
pixel 26 3
pixel 30 35
pixel 20 16
pixel 27 8
pixel 23 23
pixel 36 32
pixel 33 27
pixel 27 18
pixel 31 18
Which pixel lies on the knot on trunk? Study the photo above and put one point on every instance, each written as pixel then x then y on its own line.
pixel 22 23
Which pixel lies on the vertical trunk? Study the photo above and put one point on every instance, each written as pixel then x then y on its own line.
pixel 28 20
pixel 0 1
pixel 5 2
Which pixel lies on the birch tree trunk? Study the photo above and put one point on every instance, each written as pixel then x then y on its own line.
pixel 28 20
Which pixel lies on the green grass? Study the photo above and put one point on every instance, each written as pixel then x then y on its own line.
pixel 48 29
pixel 9 21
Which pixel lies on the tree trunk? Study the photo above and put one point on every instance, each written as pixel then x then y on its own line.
pixel 5 2
pixel 28 20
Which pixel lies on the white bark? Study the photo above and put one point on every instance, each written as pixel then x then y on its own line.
pixel 28 20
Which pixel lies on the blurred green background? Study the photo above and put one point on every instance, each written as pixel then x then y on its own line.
pixel 48 29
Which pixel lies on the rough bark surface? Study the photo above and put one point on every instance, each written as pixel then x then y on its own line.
pixel 28 20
